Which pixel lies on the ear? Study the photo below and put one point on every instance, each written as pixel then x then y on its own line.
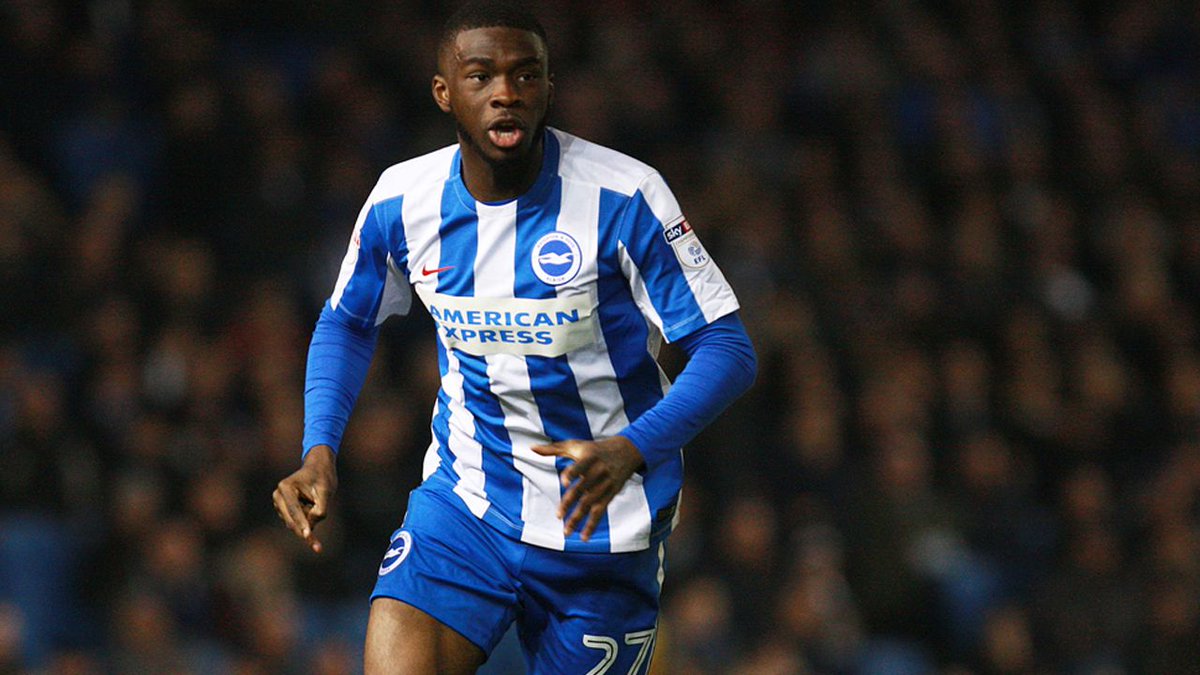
pixel 550 94
pixel 441 93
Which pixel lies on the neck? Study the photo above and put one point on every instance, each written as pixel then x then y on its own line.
pixel 499 181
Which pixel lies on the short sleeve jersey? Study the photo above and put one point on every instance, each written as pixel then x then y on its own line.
pixel 550 309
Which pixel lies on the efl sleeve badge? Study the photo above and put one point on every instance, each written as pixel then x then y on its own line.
pixel 687 245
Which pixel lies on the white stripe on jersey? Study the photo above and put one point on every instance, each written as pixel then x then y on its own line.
pixel 539 476
pixel 468 453
pixel 495 277
pixel 422 215
pixel 629 511
pixel 641 295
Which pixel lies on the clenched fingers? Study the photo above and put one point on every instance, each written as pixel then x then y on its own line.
pixel 320 505
pixel 299 512
pixel 287 505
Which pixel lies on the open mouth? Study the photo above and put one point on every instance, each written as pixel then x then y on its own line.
pixel 506 133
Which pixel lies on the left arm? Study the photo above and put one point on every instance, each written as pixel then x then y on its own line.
pixel 721 366
pixel 683 293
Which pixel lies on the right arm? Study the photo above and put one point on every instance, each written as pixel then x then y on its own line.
pixel 338 359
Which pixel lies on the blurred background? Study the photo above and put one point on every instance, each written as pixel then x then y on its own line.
pixel 966 238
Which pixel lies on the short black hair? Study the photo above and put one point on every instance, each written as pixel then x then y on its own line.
pixel 491 14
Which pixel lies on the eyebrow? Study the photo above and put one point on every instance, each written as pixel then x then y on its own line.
pixel 488 61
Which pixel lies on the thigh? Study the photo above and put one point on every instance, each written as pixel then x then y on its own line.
pixel 403 640
pixel 590 613
pixel 444 576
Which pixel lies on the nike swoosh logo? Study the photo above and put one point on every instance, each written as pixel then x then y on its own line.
pixel 425 271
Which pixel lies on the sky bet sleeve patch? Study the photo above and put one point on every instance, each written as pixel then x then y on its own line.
pixel 687 245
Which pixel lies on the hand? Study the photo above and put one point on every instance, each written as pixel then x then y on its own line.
pixel 598 473
pixel 302 499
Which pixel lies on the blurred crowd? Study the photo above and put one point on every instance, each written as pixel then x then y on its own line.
pixel 965 235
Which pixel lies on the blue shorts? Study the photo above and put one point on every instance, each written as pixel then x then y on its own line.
pixel 574 611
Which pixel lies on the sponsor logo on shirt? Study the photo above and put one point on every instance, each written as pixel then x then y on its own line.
pixel 524 326
pixel 679 229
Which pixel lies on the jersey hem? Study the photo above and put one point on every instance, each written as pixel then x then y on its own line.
pixel 506 527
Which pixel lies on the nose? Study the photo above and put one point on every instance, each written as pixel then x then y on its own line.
pixel 504 92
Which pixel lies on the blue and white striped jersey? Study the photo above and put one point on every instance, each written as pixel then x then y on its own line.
pixel 550 309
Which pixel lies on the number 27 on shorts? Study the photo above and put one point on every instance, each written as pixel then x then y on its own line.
pixel 643 639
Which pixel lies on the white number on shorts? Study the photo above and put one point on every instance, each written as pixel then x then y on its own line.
pixel 609 646
pixel 645 638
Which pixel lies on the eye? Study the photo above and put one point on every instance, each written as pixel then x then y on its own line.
pixel 478 76
pixel 529 76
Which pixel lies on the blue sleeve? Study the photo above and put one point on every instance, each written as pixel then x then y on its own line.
pixel 721 366
pixel 338 358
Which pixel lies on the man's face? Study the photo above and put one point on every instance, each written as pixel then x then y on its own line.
pixel 496 83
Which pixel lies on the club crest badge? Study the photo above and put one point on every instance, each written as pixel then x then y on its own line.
pixel 556 258
pixel 397 552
